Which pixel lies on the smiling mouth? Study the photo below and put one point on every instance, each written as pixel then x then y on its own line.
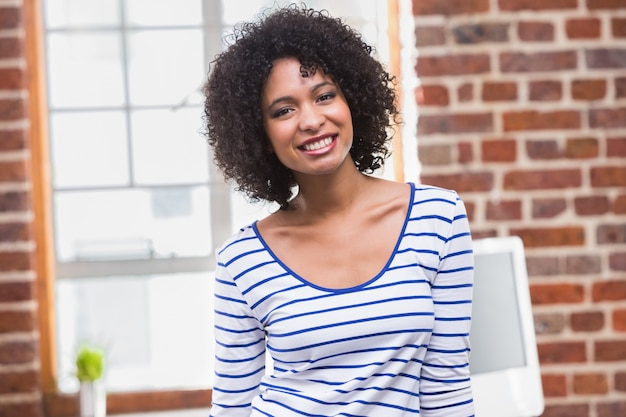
pixel 314 146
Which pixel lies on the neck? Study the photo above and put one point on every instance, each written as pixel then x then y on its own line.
pixel 327 194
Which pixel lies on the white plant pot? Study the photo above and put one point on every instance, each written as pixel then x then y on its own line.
pixel 92 399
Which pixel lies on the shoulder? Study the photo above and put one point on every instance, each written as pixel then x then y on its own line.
pixel 241 241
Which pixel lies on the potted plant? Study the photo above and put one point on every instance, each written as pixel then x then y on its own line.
pixel 89 371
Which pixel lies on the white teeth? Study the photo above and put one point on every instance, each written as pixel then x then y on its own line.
pixel 313 146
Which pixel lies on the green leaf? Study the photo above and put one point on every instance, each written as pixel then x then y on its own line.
pixel 89 364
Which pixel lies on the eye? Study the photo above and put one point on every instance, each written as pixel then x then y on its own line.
pixel 326 96
pixel 281 112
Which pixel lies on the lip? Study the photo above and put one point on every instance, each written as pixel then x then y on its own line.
pixel 322 149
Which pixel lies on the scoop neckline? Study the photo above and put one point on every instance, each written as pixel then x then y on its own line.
pixel 364 284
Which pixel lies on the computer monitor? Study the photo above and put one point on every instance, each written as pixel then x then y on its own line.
pixel 506 379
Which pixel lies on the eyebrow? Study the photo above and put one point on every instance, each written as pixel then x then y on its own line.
pixel 289 98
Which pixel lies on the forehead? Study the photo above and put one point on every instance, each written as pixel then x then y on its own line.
pixel 289 73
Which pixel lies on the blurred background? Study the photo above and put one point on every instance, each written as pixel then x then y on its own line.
pixel 111 210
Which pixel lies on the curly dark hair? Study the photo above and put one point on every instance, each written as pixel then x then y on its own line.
pixel 232 111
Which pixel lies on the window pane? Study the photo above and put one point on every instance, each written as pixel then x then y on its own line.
pixel 165 66
pixel 132 224
pixel 85 70
pixel 168 148
pixel 89 149
pixel 63 13
pixel 164 12
pixel 152 329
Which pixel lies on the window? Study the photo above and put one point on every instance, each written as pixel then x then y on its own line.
pixel 138 208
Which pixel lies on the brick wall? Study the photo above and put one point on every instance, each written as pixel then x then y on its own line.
pixel 523 111
pixel 19 363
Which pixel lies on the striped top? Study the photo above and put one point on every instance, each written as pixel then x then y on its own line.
pixel 396 345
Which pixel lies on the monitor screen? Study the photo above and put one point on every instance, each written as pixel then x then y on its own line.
pixel 506 379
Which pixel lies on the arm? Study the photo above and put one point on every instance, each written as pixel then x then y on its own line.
pixel 445 386
pixel 239 350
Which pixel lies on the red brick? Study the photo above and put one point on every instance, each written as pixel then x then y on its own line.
pixel 557 236
pixel 608 291
pixel 583 264
pixel 545 208
pixel 17 352
pixel 470 208
pixel 517 5
pixel 534 31
pixel 543 266
pixel 591 205
pixel 465 92
pixel 543 149
pixel 554 385
pixel 588 90
pixel 14 201
pixel 434 95
pixel 19 382
pixel 608 176
pixel 461 64
pixel 620 87
pixel 556 293
pixel 10 17
pixel 499 150
pixel 616 147
pixel 610 350
pixel 455 123
pixel 549 323
pixel 21 409
pixel 504 210
pixel 620 381
pixel 537 120
pixel 607 118
pixel 466 154
pixel 16 321
pixel 449 7
pixel 11 109
pixel 562 352
pixel 619 320
pixel 10 232
pixel 11 48
pixel 542 180
pixel 587 321
pixel 566 410
pixel 618 27
pixel 617 261
pixel 605 4
pixel 429 35
pixel 465 182
pixel 12 140
pixel 583 28
pixel 15 261
pixel 537 61
pixel 619 205
pixel 582 148
pixel 611 409
pixel 545 90
pixel 605 58
pixel 435 154
pixel 12 171
pixel 611 234
pixel 499 91
pixel 11 79
pixel 481 33
pixel 16 291
pixel 591 383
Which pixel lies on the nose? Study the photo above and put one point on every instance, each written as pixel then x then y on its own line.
pixel 311 117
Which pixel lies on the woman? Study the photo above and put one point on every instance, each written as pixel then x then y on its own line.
pixel 358 287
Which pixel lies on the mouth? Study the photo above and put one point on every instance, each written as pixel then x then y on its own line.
pixel 315 145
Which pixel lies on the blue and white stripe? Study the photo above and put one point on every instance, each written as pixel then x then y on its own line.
pixel 397 345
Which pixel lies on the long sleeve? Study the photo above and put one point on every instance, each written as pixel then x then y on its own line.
pixel 445 386
pixel 240 349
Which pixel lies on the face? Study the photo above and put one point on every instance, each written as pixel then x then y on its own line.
pixel 307 120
